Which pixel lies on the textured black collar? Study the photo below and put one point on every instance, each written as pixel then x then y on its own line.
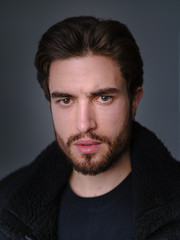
pixel 156 183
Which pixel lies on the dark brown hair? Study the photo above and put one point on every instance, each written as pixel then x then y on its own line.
pixel 77 36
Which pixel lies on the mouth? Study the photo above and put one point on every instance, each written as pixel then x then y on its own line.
pixel 87 146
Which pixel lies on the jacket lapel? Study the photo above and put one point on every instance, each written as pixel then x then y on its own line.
pixel 155 183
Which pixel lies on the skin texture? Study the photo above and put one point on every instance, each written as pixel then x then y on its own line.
pixel 92 116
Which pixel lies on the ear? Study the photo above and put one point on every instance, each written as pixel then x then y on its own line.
pixel 136 99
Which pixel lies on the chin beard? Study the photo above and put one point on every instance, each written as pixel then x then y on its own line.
pixel 85 163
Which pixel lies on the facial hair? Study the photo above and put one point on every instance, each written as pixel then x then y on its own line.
pixel 85 163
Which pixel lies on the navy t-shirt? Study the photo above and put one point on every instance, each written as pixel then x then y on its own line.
pixel 107 217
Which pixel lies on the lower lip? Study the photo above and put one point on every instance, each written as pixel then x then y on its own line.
pixel 87 149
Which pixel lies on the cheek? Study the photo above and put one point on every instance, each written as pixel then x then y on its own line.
pixel 63 123
pixel 113 119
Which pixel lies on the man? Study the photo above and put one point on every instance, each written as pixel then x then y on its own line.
pixel 105 176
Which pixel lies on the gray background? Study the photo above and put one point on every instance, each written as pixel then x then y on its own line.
pixel 25 121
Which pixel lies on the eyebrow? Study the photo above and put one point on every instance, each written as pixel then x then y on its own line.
pixel 98 92
pixel 60 95
pixel 104 91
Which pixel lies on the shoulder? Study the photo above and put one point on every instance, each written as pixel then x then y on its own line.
pixel 47 163
pixel 156 182
pixel 28 195
pixel 146 143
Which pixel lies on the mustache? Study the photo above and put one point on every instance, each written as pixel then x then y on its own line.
pixel 90 135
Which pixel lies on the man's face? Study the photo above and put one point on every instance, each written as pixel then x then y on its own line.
pixel 91 111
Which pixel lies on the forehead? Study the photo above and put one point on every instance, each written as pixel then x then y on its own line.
pixel 85 74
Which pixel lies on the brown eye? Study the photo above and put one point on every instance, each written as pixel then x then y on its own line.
pixel 65 101
pixel 104 98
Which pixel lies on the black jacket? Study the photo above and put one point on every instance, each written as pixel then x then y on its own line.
pixel 30 197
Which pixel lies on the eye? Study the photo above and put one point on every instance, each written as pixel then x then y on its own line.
pixel 65 101
pixel 104 99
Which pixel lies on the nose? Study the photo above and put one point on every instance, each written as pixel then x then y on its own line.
pixel 85 118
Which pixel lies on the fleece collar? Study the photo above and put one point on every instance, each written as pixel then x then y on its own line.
pixel 156 183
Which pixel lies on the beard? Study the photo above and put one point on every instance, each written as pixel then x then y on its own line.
pixel 92 164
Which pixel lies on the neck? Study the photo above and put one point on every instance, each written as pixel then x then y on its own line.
pixel 93 186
